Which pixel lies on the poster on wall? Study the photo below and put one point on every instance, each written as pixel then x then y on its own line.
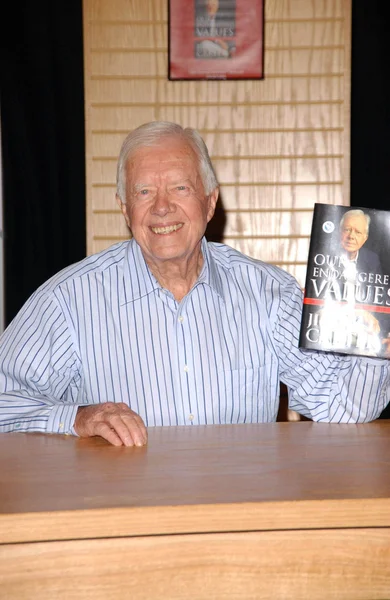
pixel 216 39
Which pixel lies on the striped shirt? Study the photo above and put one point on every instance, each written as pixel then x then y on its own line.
pixel 105 330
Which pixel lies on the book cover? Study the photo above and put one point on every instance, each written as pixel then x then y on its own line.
pixel 346 306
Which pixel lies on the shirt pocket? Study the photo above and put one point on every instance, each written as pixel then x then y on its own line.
pixel 251 395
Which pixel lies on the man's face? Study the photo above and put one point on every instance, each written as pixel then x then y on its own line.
pixel 212 7
pixel 353 234
pixel 166 207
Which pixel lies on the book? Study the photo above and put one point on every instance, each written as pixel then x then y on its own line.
pixel 346 305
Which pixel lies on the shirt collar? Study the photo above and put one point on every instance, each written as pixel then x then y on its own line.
pixel 356 257
pixel 209 273
pixel 351 260
pixel 138 281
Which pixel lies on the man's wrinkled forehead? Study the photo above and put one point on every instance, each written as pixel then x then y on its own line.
pixel 162 152
pixel 356 222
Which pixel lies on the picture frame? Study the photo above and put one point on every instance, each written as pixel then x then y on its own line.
pixel 215 39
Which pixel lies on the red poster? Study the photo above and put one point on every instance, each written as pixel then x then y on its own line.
pixel 216 39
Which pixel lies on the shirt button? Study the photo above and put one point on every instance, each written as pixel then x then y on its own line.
pixel 191 417
pixel 61 426
pixel 181 319
pixel 186 368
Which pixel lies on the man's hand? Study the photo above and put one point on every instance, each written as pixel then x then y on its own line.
pixel 116 423
pixel 386 344
pixel 371 323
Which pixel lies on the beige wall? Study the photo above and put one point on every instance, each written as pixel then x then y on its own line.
pixel 279 145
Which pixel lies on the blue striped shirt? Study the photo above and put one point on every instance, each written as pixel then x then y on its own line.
pixel 105 330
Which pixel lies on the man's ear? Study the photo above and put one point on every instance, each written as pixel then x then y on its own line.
pixel 212 203
pixel 119 202
pixel 123 208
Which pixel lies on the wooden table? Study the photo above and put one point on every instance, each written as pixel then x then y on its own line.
pixel 284 510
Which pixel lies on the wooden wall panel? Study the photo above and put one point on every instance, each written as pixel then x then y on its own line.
pixel 278 62
pixel 106 145
pixel 302 89
pixel 278 145
pixel 221 117
pixel 127 11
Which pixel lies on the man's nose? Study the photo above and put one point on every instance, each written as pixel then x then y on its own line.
pixel 162 203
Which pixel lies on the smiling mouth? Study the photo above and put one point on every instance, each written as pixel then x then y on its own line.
pixel 167 229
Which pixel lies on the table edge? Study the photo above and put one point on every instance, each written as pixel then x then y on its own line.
pixel 182 519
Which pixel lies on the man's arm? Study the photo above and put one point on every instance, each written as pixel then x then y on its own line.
pixel 39 370
pixel 325 386
pixel 41 377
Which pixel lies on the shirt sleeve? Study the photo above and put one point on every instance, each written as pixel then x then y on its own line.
pixel 39 369
pixel 324 386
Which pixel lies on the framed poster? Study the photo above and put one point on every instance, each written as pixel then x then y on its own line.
pixel 216 39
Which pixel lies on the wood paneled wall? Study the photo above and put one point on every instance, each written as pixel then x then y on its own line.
pixel 278 145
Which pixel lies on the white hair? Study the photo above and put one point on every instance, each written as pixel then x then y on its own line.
pixel 152 134
pixel 356 212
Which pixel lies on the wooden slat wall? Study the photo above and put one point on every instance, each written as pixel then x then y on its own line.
pixel 279 145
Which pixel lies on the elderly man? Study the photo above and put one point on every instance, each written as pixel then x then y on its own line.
pixel 168 329
pixel 354 230
pixel 359 262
